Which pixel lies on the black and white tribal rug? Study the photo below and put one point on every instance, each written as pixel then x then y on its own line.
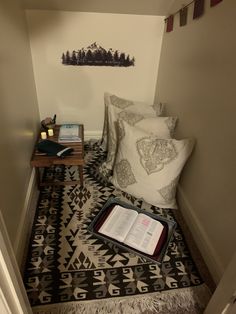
pixel 69 270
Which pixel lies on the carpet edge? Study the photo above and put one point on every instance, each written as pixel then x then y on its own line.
pixel 171 302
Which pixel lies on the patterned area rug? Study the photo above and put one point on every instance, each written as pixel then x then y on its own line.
pixel 69 270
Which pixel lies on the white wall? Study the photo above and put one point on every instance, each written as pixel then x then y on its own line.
pixel 75 93
pixel 19 120
pixel 197 81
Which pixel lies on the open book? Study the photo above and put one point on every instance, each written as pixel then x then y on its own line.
pixel 134 229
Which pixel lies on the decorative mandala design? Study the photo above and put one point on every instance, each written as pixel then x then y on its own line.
pixel 155 153
pixel 111 144
pixel 171 122
pixel 130 117
pixel 120 102
pixel 124 173
pixel 168 192
pixel 104 171
pixel 158 108
pixel 105 130
pixel 120 130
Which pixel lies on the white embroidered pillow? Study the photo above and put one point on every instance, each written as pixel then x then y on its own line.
pixel 159 126
pixel 148 167
pixel 122 104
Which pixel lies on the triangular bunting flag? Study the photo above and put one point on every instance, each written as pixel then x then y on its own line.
pixel 170 23
pixel 198 8
pixel 215 2
pixel 183 13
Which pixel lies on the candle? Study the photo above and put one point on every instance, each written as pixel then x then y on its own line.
pixel 50 132
pixel 43 135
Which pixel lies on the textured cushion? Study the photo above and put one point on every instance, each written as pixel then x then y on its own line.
pixel 121 104
pixel 161 126
pixel 149 167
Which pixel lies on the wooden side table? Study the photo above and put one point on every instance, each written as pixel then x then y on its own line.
pixel 41 160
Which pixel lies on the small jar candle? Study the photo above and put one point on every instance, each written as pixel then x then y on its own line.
pixel 50 132
pixel 43 135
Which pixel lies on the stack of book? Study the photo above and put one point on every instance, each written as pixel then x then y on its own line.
pixel 69 133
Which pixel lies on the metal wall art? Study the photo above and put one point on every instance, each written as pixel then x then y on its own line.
pixel 97 56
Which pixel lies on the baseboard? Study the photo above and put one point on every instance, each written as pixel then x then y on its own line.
pixel 90 135
pixel 25 220
pixel 209 255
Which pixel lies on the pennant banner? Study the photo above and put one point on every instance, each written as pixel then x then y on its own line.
pixel 198 11
pixel 170 23
pixel 198 8
pixel 215 2
pixel 183 13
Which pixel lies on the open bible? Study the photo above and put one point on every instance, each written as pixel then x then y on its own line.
pixel 137 230
pixel 133 229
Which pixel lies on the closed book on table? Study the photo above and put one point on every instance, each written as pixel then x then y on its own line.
pixel 69 133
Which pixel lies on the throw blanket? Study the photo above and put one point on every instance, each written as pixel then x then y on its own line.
pixel 69 270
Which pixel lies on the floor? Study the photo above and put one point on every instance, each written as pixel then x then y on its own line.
pixel 188 237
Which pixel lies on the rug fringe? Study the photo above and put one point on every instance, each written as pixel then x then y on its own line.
pixel 186 300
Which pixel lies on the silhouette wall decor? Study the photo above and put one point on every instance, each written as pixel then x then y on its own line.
pixel 95 55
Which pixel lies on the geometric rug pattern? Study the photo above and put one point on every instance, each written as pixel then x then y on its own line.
pixel 66 263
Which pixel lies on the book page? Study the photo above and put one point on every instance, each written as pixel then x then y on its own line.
pixel 144 234
pixel 118 223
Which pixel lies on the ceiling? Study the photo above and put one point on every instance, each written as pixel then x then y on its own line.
pixel 141 7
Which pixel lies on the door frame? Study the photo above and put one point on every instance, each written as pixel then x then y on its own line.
pixel 223 299
pixel 13 295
